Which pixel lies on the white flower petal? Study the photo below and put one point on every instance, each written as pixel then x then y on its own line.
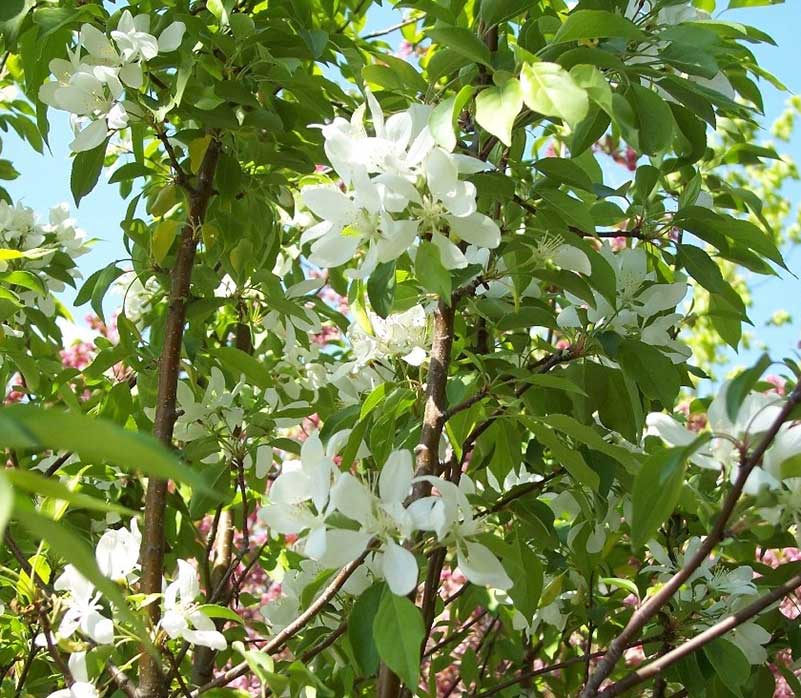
pixel 481 567
pixel 170 39
pixel 476 229
pixel 90 137
pixel 399 568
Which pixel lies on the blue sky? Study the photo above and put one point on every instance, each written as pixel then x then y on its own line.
pixel 44 180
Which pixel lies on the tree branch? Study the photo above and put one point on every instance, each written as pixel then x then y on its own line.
pixel 152 551
pixel 280 639
pixel 652 606
pixel 720 628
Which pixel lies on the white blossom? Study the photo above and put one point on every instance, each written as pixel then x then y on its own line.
pixel 182 616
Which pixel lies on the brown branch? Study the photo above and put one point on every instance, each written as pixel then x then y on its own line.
pixel 26 667
pixel 652 606
pixel 278 641
pixel 720 628
pixel 525 675
pixel 219 589
pixel 54 467
pixel 153 543
pixel 390 30
pixel 121 680
pixel 456 635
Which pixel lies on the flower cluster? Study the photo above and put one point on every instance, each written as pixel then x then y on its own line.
pixel 311 496
pixel 640 304
pixel 754 417
pixel 91 87
pixel 117 554
pixel 398 185
pixel 400 334
pixel 35 256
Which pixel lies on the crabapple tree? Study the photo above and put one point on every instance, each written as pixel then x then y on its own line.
pixel 408 379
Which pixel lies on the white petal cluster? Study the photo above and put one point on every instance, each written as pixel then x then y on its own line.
pixel 755 415
pixel 399 334
pixel 117 555
pixel 91 83
pixel 183 617
pixel 398 185
pixel 30 246
pixel 309 493
pixel 640 304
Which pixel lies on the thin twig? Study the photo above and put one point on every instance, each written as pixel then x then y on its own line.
pixel 278 641
pixel 720 628
pixel 652 606
pixel 393 28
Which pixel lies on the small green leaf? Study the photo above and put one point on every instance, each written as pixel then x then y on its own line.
pixel 656 491
pixel 24 426
pixel 241 363
pixel 362 617
pixel 36 483
pixel 525 570
pixel 730 664
pixel 163 237
pixel 550 90
pixel 398 633
pixel 429 270
pixel 739 387
pixel 655 121
pixel 6 502
pixel 445 115
pixel 86 169
pixel 596 24
pixel 212 610
pixel 498 107
pixel 569 458
pixel 381 289
pixel 462 41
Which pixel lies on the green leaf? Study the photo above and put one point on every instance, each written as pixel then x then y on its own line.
pixel 656 491
pixel 572 210
pixel 730 664
pixel 498 107
pixel 163 237
pixel 525 570
pixel 95 440
pixel 381 288
pixel 462 41
pixel 655 121
pixel 738 389
pixel 86 169
pixel 550 90
pixel 429 270
pixel 589 437
pixel 212 610
pixel 6 501
pixel 106 277
pixel 240 362
pixel 597 24
pixel 564 171
pixel 65 543
pixel 36 483
pixel 360 623
pixel 496 11
pixel 707 273
pixel 569 458
pixel 654 373
pixel 398 633
pixel 10 9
